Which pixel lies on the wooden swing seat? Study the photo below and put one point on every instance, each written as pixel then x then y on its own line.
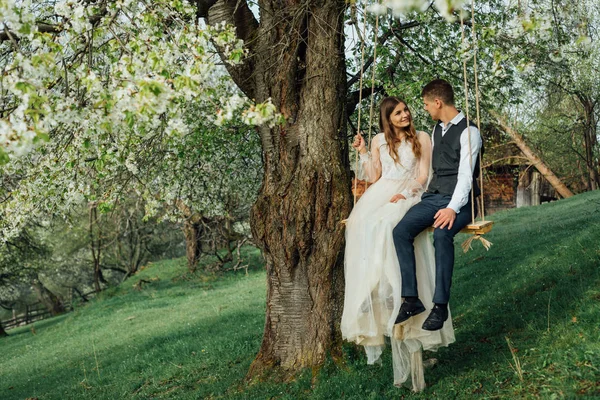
pixel 476 228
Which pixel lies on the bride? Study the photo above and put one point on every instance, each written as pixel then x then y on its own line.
pixel 399 166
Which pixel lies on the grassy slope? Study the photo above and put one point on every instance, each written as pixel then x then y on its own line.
pixel 539 285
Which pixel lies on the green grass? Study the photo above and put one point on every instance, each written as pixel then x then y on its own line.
pixel 195 338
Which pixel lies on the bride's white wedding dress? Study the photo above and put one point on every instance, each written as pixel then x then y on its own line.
pixel 372 272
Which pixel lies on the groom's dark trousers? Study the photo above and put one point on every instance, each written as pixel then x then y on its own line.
pixel 417 219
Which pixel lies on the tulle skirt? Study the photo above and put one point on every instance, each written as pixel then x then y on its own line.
pixel 373 281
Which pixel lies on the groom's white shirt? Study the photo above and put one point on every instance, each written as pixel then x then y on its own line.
pixel 460 197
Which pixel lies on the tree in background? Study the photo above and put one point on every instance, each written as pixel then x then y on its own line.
pixel 22 261
pixel 528 54
pixel 553 46
pixel 547 47
pixel 208 180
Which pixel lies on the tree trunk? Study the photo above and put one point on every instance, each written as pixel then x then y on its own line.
pixel 305 190
pixel 96 246
pixel 523 189
pixel 192 230
pixel 193 245
pixel 536 183
pixel 590 141
pixel 136 254
pixel 2 331
pixel 537 162
pixel 49 299
pixel 298 58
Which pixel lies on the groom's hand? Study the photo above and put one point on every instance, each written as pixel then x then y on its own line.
pixel 444 217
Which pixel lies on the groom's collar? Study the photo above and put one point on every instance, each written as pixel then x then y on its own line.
pixel 454 121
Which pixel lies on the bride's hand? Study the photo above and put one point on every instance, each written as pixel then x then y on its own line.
pixel 397 197
pixel 359 143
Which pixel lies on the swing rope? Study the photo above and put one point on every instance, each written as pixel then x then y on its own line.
pixel 475 43
pixel 466 87
pixel 477 234
pixel 372 105
pixel 360 85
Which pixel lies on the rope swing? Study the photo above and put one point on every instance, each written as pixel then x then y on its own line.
pixel 476 228
pixel 365 184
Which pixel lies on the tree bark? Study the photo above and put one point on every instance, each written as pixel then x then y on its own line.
pixel 192 230
pixel 590 141
pixel 193 244
pixel 299 64
pixel 96 246
pixel 305 191
pixel 537 162
pixel 49 299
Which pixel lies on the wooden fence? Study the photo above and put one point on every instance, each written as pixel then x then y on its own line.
pixel 32 314
pixel 35 312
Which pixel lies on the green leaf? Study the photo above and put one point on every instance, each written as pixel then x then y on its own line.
pixel 4 159
pixel 25 29
pixel 25 87
pixel 43 136
pixel 130 118
pixel 105 207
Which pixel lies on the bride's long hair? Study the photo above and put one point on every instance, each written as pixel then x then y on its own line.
pixel 385 110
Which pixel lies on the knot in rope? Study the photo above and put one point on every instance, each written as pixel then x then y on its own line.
pixel 467 244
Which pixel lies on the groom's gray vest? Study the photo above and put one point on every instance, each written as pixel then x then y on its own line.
pixel 446 158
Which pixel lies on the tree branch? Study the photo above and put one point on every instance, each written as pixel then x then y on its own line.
pixel 369 61
pixel 44 27
pixel 238 14
pixel 535 160
pixel 353 98
pixel 398 36
pixel 115 269
pixel 504 158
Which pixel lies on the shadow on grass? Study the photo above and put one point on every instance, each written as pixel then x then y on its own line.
pixel 199 360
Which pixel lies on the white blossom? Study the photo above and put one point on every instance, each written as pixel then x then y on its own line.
pixel 77 125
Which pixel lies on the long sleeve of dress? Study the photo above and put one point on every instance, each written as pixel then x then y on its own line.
pixel 417 186
pixel 369 166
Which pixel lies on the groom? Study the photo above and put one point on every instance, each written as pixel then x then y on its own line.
pixel 446 204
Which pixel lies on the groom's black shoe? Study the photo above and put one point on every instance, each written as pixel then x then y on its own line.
pixel 409 309
pixel 436 318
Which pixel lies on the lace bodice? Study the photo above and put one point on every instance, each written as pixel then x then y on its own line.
pixel 391 170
